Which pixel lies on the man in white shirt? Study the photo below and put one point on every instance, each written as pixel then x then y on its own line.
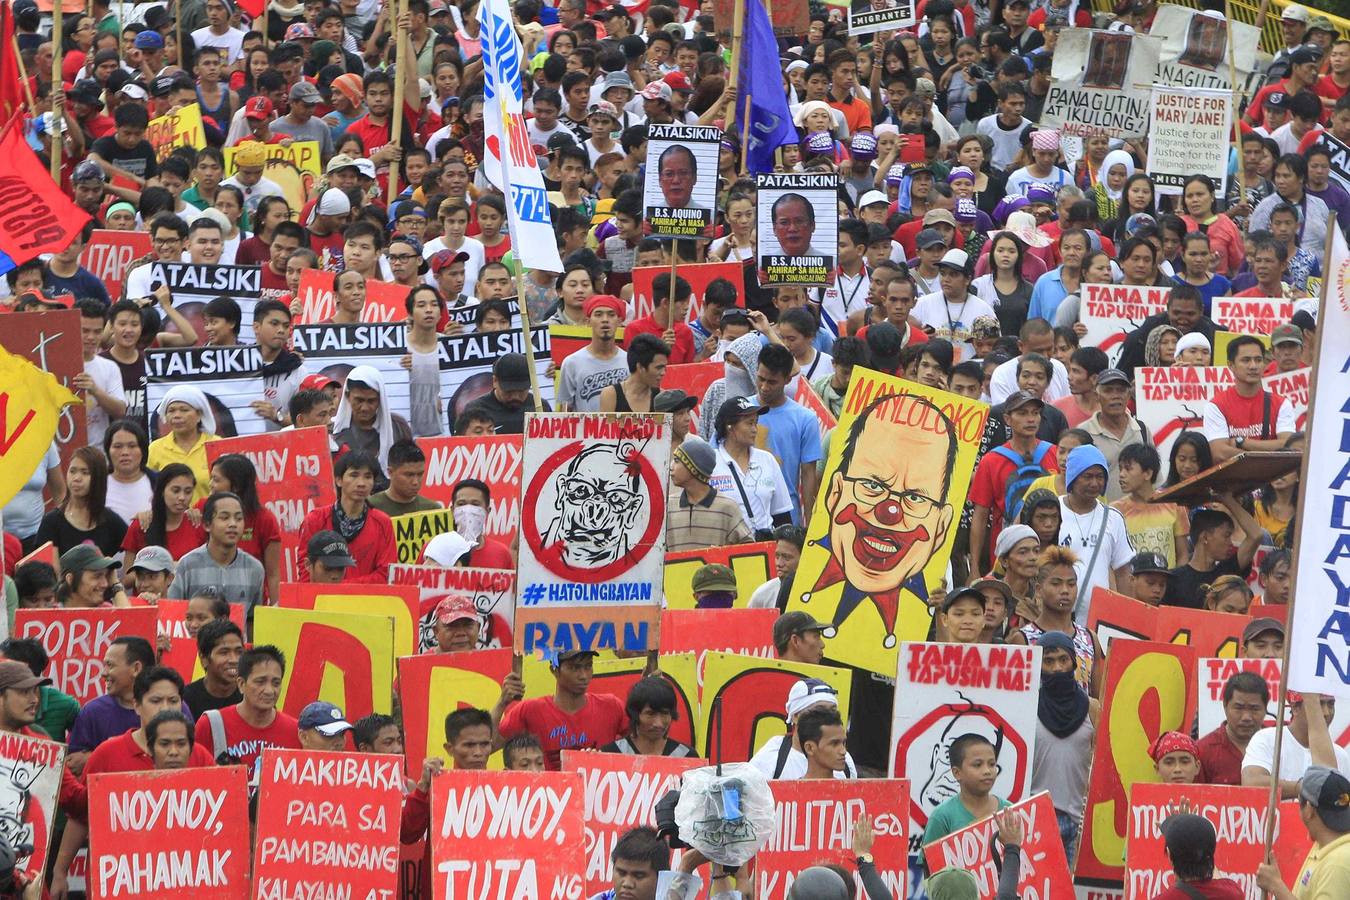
pixel 1296 751
pixel 219 33
pixel 1005 127
pixel 952 310
pixel 101 380
pixel 789 763
pixel 1036 336
pixel 1095 532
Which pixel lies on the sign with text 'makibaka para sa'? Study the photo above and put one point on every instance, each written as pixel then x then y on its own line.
pixel 492 459
pixel 1101 83
pixel 592 531
pixel 1111 311
pixel 944 691
pixel 76 639
pixel 30 782
pixel 1044 874
pixel 327 825
pixel 178 834
pixel 814 825
pixel 507 834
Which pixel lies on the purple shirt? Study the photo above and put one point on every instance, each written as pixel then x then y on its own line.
pixel 103 718
pixel 1336 198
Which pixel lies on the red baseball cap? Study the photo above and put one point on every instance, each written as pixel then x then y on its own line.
pixel 455 609
pixel 678 81
pixel 258 108
pixel 316 382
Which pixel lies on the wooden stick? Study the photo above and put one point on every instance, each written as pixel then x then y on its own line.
pixel 737 38
pixel 396 118
pixel 1237 99
pixel 23 76
pixel 57 57
pixel 745 136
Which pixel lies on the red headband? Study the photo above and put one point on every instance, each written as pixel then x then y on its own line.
pixel 604 301
pixel 1173 742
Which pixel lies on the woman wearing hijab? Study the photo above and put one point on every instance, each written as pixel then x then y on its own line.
pixel 1116 168
pixel 192 425
pixel 364 421
pixel 1066 727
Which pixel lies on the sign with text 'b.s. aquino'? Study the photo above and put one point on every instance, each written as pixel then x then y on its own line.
pixel 886 515
pixel 592 532
pixel 507 834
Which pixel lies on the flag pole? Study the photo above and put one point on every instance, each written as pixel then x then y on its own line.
pixel 1237 99
pixel 57 57
pixel 23 76
pixel 737 38
pixel 1274 799
pixel 396 119
pixel 745 137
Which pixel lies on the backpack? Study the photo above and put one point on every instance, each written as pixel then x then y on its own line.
pixel 1028 470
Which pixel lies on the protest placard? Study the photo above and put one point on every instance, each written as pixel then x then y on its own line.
pixel 493 592
pixel 752 564
pixel 1194 50
pixel 808 398
pixel 180 128
pixel 177 834
pixel 870 16
pixel 795 248
pixel 412 531
pixel 1112 616
pixel 621 793
pixel 680 192
pixel 295 475
pixel 868 560
pixel 1188 135
pixel 466 364
pixel 107 254
pixel 334 350
pixel 700 276
pixel 295 167
pixel 1209 633
pixel 943 691
pixel 1151 686
pixel 491 459
pixel 746 632
pixel 399 602
pixel 1171 399
pixel 1250 315
pixel 384 300
pixel 30 782
pixel 789 19
pixel 1111 311
pixel 193 285
pixel 516 834
pixel 1044 874
pixel 348 658
pixel 1293 387
pixel 616 677
pixel 694 379
pixel 230 377
pixel 433 685
pixel 51 341
pixel 171 624
pixel 1340 157
pixel 814 826
pixel 77 639
pixel 593 523
pixel 1100 83
pixel 1238 815
pixel 327 824
pixel 752 695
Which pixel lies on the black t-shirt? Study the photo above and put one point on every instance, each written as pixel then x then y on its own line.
pixel 139 160
pixel 106 535
pixel 1186 585
pixel 506 419
pixel 200 700
pixel 133 384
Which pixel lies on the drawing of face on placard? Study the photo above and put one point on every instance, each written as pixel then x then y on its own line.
pixel 600 504
pixel 21 823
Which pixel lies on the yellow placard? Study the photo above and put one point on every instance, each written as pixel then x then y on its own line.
pixel 752 695
pixel 750 563
pixel 413 530
pixel 31 401
pixel 348 658
pixel 295 168
pixel 1223 338
pixel 176 129
pixel 886 515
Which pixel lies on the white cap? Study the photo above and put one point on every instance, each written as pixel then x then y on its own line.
pixel 216 216
pixel 446 549
pixel 955 258
pixel 807 693
pixel 424 88
pixel 1295 13
pixel 871 197
pixel 134 91
pixel 365 167
pixel 332 202
pixel 1189 340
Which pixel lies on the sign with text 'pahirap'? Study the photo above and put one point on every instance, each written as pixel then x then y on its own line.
pixel 680 194
pixel 798 233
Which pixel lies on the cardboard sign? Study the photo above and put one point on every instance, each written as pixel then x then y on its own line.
pixel 1293 387
pixel 179 834
pixel 753 564
pixel 398 602
pixel 1112 616
pixel 913 438
pixel 171 623
pixel 796 246
pixel 680 191
pixel 348 658
pixel 746 632
pixel 807 397
pixel 384 301
pixel 814 826
pixel 1210 633
pixel 943 691
pixel 51 341
pixel 30 782
pixel 412 531
pixel 1045 870
pixel 699 276
pixel 295 475
pixel 295 168
pixel 1340 157
pixel 108 253
pixel 1251 315
pixel 1100 83
pixel 334 350
pixel 493 592
pixel 493 460
pixel 327 824
pixel 1214 673
pixel 517 834
pixel 433 685
pixel 1149 689
pixel 176 129
pixel 789 19
pixel 1171 399
pixel 694 379
pixel 1111 311
pixel 1188 134
pixel 230 378
pixel 621 793
pixel 44 553
pixel 593 531
pixel 749 697
pixel 870 16
pixel 1194 52
pixel 77 639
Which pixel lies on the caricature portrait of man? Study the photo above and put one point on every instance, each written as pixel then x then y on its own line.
pixel 887 505
pixel 600 506
pixel 677 173
pixel 794 225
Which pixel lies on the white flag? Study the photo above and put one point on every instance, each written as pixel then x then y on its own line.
pixel 1320 632
pixel 504 131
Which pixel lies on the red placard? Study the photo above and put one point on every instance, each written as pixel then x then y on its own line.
pixel 51 341
pixel 295 475
pixel 384 300
pixel 494 460
pixel 748 632
pixel 76 639
pixel 493 592
pixel 507 834
pixel 1277 611
pixel 171 623
pixel 693 379
pixel 807 397
pixel 1112 616
pixel 179 834
pixel 46 553
pixel 327 824
pixel 621 794
pixel 814 825
pixel 433 685
pixel 1210 633
pixel 1150 689
pixel 1045 870
pixel 699 277
pixel 108 254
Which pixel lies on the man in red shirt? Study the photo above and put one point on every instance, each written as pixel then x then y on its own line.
pixel 571 719
pixel 843 78
pixel 1246 416
pixel 1302 77
pixel 242 732
pixel 373 127
pixel 369 533
pixel 1245 697
pixel 667 318
pixel 156 690
pixel 287 238
pixel 1333 85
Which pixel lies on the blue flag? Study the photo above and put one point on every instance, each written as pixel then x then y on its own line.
pixel 761 78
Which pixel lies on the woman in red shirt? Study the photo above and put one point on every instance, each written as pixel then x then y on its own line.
pixel 168 524
pixel 261 537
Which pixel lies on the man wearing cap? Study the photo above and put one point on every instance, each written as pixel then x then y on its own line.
pixel 1149 578
pixel 781 757
pixel 1003 474
pixel 696 514
pixel 680 406
pixel 218 32
pixel 951 310
pixel 745 474
pixel 455 625
pixel 798 637
pixel 1095 532
pixel 1189 841
pixel 153 572
pixel 323 727
pixel 571 718
pixel 1286 349
pixel 510 397
pixel 1112 427
pixel 300 124
pixel 1293 29
pixel 588 371
pixel 328 558
pixel 714 587
pixel 1302 61
pixel 87 580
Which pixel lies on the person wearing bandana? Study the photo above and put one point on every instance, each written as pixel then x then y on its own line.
pixel 1066 729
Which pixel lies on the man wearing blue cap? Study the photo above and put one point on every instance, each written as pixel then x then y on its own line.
pixel 323 727
pixel 1094 531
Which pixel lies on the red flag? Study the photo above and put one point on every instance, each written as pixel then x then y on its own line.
pixel 11 89
pixel 35 217
pixel 254 8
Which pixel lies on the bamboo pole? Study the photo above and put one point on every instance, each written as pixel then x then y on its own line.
pixel 57 56
pixel 396 118
pixel 1237 98
pixel 23 76
pixel 737 38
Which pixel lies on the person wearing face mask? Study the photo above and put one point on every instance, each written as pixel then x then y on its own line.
pixel 1066 727
pixel 467 545
pixel 740 361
